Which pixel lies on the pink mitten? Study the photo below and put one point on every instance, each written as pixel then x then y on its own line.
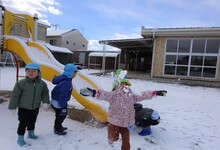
pixel 153 93
pixel 97 93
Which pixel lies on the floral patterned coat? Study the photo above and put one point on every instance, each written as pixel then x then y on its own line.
pixel 121 109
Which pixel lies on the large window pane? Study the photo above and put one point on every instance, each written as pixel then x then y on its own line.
pixel 212 46
pixel 183 60
pixel 209 72
pixel 171 46
pixel 192 57
pixel 197 60
pixel 210 61
pixel 182 71
pixel 169 70
pixel 198 46
pixel 170 59
pixel 196 71
pixel 184 45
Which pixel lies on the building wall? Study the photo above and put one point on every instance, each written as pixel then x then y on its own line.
pixel 74 40
pixel 159 56
pixel 42 33
pixel 57 39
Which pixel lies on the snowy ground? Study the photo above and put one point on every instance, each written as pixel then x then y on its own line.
pixel 189 120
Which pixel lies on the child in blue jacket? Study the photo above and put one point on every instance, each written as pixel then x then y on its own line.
pixel 61 94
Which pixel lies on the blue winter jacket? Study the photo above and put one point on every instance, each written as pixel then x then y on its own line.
pixel 62 91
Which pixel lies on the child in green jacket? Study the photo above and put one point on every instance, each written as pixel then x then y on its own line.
pixel 27 96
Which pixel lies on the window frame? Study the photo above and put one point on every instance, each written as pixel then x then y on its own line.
pixel 190 55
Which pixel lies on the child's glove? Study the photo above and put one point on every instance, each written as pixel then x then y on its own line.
pixel 161 93
pixel 93 91
pixel 79 67
pixel 153 93
pixel 97 94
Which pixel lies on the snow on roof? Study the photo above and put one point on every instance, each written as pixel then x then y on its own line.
pixel 57 32
pixel 57 49
pixel 101 54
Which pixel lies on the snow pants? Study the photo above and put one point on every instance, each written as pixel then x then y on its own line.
pixel 60 115
pixel 113 135
pixel 27 119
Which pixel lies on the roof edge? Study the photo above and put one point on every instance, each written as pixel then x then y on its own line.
pixel 188 31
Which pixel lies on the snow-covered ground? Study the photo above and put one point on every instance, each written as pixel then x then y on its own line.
pixel 189 120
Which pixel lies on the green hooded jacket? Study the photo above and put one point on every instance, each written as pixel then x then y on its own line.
pixel 29 94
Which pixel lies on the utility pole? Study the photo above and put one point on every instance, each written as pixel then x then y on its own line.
pixel 104 58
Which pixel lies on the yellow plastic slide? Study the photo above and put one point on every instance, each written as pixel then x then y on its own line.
pixel 36 52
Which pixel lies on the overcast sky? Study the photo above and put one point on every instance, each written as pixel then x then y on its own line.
pixel 116 19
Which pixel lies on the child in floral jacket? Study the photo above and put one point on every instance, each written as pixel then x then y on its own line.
pixel 121 112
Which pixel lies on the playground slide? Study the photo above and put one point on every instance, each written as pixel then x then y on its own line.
pixel 36 52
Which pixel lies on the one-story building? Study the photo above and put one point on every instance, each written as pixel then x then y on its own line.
pixel 185 53
pixel 100 60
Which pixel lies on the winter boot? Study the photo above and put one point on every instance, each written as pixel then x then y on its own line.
pixel 31 135
pixel 64 128
pixel 21 141
pixel 60 132
pixel 145 131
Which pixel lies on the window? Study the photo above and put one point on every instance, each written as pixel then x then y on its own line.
pixel 198 46
pixel 210 61
pixel 209 72
pixel 192 57
pixel 182 71
pixel 67 42
pixel 171 46
pixel 170 70
pixel 195 71
pixel 170 59
pixel 197 60
pixel 53 42
pixel 184 45
pixel 183 60
pixel 213 46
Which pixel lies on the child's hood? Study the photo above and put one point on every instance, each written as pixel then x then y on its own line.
pixel 58 79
